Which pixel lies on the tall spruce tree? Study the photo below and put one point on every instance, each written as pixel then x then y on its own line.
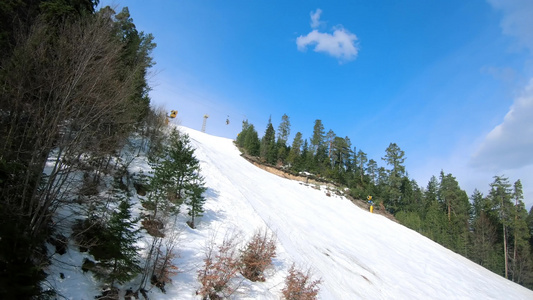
pixel 195 200
pixel 521 257
pixel 318 136
pixel 500 195
pixel 361 160
pixel 176 170
pixel 394 157
pixel 268 144
pixel 296 149
pixel 372 169
pixel 120 261
pixel 284 130
pixel 455 200
pixel 252 144
pixel 241 137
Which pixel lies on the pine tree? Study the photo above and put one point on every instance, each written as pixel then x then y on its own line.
pixel 500 196
pixel 520 260
pixel 318 136
pixel 431 193
pixel 458 213
pixel 284 130
pixel 195 200
pixel 394 157
pixel 361 159
pixel 241 137
pixel 120 263
pixel 251 142
pixel 340 154
pixel 372 169
pixel 174 172
pixel 296 149
pixel 268 145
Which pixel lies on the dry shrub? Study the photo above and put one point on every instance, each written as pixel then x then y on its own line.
pixel 298 285
pixel 220 266
pixel 154 227
pixel 258 255
pixel 164 268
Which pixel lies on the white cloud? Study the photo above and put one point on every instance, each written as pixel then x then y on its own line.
pixel 510 144
pixel 517 19
pixel 340 44
pixel 315 18
pixel 505 74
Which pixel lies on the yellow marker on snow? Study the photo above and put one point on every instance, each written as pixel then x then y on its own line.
pixel 371 209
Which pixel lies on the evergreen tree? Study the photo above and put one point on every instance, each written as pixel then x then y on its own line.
pixel 457 207
pixel 394 157
pixel 435 223
pixel 500 196
pixel 268 145
pixel 296 149
pixel 175 172
pixel 307 156
pixel 251 141
pixel 318 136
pixel 340 154
pixel 372 169
pixel 136 51
pixel 284 130
pixel 361 160
pixel 241 137
pixel 529 221
pixel 195 200
pixel 120 261
pixel 484 234
pixel 431 193
pixel 521 256
pixel 330 137
pixel 350 166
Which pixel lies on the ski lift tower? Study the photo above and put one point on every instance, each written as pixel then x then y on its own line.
pixel 205 121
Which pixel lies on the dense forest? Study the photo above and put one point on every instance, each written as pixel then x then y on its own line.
pixel 74 89
pixel 493 230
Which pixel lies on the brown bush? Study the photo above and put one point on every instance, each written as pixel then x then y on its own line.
pixel 220 266
pixel 298 285
pixel 154 227
pixel 257 256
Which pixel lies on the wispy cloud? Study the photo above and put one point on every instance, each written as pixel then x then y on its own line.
pixel 315 18
pixel 340 44
pixel 510 144
pixel 517 20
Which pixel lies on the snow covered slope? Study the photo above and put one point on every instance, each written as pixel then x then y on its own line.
pixel 357 255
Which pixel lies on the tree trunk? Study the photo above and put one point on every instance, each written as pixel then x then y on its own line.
pixel 505 251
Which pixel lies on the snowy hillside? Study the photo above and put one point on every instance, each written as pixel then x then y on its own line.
pixel 357 255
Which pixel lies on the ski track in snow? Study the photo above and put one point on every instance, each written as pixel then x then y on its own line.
pixel 356 254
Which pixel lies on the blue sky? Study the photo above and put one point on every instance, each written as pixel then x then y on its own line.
pixel 451 82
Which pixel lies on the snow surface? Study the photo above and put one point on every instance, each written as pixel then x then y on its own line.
pixel 356 254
